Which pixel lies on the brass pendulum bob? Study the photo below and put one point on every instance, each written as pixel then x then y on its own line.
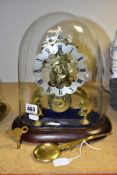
pixel 49 151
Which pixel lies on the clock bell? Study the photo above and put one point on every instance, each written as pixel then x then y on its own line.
pixel 62 97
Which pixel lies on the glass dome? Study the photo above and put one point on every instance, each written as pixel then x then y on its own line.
pixel 61 80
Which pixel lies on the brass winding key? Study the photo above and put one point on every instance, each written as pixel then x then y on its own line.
pixel 17 133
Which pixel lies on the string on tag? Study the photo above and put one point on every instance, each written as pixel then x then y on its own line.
pixel 65 161
pixel 92 147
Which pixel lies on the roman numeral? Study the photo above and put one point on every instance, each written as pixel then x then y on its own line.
pixel 79 81
pixel 71 89
pixel 71 50
pixel 60 92
pixel 82 70
pixel 47 50
pixel 38 70
pixel 80 58
pixel 60 48
pixel 49 89
pixel 39 59
pixel 40 81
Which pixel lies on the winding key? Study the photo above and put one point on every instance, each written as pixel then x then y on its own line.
pixel 17 134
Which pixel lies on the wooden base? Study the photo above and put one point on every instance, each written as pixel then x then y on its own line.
pixel 45 134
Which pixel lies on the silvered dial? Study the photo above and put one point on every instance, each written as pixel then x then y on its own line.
pixel 66 68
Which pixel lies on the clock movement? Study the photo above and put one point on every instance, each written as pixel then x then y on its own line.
pixel 62 97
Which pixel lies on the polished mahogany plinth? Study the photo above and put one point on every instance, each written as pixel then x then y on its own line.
pixel 61 134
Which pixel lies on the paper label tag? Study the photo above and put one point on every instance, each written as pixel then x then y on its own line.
pixel 33 117
pixel 31 109
pixel 61 161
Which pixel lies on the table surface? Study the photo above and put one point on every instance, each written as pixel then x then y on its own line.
pixel 21 161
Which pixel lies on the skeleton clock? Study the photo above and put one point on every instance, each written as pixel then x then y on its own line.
pixel 60 81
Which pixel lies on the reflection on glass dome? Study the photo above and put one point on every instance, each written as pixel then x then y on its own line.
pixel 60 80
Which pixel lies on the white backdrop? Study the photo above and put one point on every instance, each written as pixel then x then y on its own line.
pixel 17 15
